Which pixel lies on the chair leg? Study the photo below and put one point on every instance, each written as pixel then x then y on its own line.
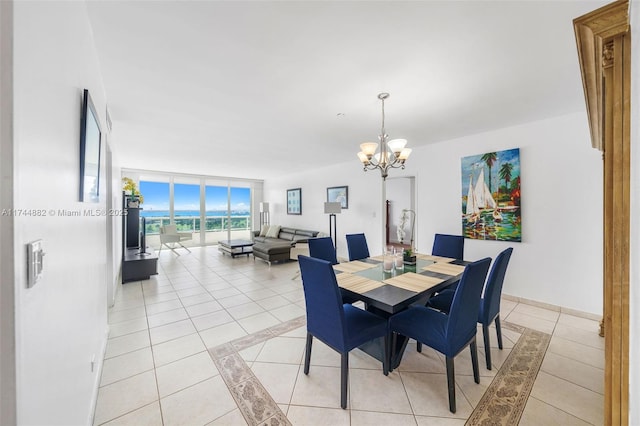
pixel 499 331
pixel 385 355
pixel 181 245
pixel 419 346
pixel 307 353
pixel 474 360
pixel 487 345
pixel 344 373
pixel 451 383
pixel 172 248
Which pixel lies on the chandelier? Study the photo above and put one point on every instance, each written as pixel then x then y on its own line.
pixel 392 154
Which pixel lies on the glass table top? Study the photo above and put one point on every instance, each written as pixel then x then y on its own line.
pixel 376 273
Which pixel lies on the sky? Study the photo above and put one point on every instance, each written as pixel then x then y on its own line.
pixel 474 163
pixel 187 197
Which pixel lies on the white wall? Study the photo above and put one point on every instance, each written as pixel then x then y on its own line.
pixel 363 214
pixel 560 259
pixel 62 321
pixel 7 291
pixel 634 283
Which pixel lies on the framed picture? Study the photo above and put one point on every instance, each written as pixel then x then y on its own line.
pixel 294 201
pixel 89 151
pixel 491 196
pixel 338 194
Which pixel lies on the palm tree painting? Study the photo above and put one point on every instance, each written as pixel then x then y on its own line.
pixel 491 196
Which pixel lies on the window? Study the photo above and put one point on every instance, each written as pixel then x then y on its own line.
pixel 186 207
pixel 155 208
pixel 219 209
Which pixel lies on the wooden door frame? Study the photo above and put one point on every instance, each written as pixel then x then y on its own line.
pixel 604 51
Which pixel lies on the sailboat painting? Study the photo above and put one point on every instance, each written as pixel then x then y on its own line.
pixel 491 196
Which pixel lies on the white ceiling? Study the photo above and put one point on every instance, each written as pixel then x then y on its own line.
pixel 253 89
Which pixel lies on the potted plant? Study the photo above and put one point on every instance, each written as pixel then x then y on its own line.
pixel 408 257
pixel 130 188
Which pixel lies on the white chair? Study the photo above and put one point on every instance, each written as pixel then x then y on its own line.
pixel 299 248
pixel 169 235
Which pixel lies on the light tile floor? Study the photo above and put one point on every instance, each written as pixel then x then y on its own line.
pixel 157 370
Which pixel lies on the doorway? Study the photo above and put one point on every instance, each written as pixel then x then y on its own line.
pixel 400 224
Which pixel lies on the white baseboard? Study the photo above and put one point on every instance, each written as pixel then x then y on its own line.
pixel 549 306
pixel 98 376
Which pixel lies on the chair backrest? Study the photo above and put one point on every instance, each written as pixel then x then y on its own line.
pixel 325 313
pixel 169 229
pixel 490 304
pixel 322 248
pixel 463 315
pixel 448 246
pixel 357 246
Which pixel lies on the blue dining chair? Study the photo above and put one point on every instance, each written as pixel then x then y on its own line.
pixel 448 246
pixel 489 304
pixel 357 246
pixel 323 248
pixel 341 326
pixel 448 334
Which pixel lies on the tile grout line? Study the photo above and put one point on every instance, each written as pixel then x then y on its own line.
pixel 153 358
pixel 559 409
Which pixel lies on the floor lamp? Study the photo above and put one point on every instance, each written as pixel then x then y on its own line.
pixel 264 214
pixel 332 209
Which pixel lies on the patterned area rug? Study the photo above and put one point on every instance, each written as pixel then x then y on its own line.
pixel 502 403
pixel 255 403
pixel 506 397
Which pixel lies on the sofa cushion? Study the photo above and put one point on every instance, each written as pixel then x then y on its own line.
pixel 302 235
pixel 273 231
pixel 272 246
pixel 264 230
pixel 287 234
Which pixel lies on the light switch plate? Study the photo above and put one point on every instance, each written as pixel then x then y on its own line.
pixel 35 265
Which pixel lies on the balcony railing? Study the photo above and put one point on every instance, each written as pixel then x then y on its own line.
pixel 192 223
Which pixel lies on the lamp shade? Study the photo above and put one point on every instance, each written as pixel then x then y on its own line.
pixel 332 208
pixel 404 154
pixel 368 148
pixel 396 145
pixel 264 207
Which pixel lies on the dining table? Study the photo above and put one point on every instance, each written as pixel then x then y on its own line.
pixel 388 292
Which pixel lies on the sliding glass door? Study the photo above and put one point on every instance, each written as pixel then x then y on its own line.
pixel 186 207
pixel 240 213
pixel 212 210
pixel 156 208
pixel 228 212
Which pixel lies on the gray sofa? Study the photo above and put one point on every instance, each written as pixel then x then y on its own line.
pixel 274 249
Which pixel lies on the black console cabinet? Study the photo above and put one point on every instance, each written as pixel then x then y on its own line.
pixel 137 263
pixel 137 266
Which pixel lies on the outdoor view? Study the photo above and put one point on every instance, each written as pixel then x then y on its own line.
pixel 225 209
